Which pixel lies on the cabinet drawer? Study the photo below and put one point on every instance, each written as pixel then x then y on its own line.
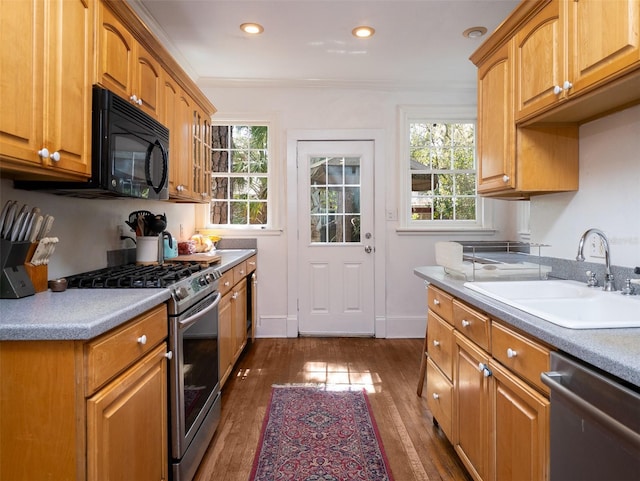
pixel 440 397
pixel 441 303
pixel 252 263
pixel 473 324
pixel 239 272
pixel 112 352
pixel 440 343
pixel 226 282
pixel 522 356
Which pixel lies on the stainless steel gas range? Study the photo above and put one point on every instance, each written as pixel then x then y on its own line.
pixel 194 384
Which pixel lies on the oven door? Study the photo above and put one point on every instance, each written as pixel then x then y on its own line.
pixel 194 378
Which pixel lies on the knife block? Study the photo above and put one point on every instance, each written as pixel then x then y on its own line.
pixel 14 280
pixel 39 275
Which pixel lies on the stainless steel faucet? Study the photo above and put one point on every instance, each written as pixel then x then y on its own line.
pixel 608 277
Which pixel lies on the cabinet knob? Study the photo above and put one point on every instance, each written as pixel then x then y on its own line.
pixel 506 178
pixel 484 369
pixel 436 396
pixel 169 355
pixel 142 340
pixel 465 323
pixel 436 302
pixel 234 296
pixel 557 89
pixel 134 98
pixel 567 85
pixel 226 284
pixel 436 343
pixel 44 153
pixel 511 353
pixel 55 156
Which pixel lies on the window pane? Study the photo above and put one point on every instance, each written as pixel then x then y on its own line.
pixel 443 184
pixel 219 212
pixel 258 188
pixel 259 134
pixel 258 162
pixel 465 184
pixel 336 201
pixel 466 208
pixel 440 158
pixel 463 158
pixel 239 161
pixel 352 200
pixel 239 212
pixel 352 228
pixel 318 174
pixel 352 171
pixel 334 171
pixel 257 213
pixel 443 208
pixel 239 186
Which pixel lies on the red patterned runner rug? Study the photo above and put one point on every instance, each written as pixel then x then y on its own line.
pixel 311 434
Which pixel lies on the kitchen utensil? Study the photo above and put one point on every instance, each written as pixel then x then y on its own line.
pixel 34 230
pixel 3 215
pixel 156 224
pixel 17 225
pixel 8 222
pixel 47 223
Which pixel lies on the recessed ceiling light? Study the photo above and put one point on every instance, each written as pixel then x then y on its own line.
pixel 363 32
pixel 474 32
pixel 252 28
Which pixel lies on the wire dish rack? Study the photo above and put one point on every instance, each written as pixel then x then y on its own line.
pixel 493 260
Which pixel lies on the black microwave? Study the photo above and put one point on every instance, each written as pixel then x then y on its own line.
pixel 129 154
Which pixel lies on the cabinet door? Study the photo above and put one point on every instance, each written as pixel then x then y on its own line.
pixel 147 85
pixel 540 65
pixel 239 304
pixel 68 98
pixel 181 158
pixel 604 40
pixel 496 129
pixel 169 118
pixel 521 427
pixel 127 424
pixel 115 54
pixel 471 438
pixel 224 337
pixel 21 58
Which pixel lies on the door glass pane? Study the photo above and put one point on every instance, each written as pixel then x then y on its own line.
pixel 334 199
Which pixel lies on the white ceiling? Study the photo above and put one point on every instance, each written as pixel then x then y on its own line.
pixel 418 44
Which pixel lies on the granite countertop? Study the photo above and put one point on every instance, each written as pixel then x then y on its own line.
pixel 615 351
pixel 81 314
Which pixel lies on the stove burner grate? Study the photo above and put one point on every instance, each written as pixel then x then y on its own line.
pixel 133 276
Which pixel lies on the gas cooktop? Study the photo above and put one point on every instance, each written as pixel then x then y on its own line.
pixel 134 276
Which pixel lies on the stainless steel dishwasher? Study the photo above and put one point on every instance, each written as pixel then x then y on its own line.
pixel 595 424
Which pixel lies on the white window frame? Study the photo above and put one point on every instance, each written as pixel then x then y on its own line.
pixel 408 114
pixel 274 195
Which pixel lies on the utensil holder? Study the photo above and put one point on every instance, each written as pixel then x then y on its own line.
pixel 14 280
pixel 147 250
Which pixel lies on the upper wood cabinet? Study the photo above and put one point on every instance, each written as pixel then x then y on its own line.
pixel 125 67
pixel 569 47
pixel 514 161
pixel 45 119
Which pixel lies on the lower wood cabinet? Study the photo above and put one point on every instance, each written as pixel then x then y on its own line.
pixel 233 314
pixel 87 410
pixel 492 406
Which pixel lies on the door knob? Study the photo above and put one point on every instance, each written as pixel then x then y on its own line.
pixel 368 249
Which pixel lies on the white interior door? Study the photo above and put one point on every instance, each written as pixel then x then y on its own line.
pixel 335 238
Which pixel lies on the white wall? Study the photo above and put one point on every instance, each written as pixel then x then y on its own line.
pixel 347 109
pixel 608 197
pixel 87 227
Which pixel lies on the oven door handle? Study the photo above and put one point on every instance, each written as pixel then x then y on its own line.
pixel 193 319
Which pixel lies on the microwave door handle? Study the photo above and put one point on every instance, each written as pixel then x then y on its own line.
pixel 165 166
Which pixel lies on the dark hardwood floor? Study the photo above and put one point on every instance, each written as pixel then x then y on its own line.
pixel 388 368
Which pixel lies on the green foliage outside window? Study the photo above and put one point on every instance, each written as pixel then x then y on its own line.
pixel 239 179
pixel 443 171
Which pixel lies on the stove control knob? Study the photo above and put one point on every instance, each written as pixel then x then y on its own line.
pixel 202 281
pixel 181 293
pixel 209 278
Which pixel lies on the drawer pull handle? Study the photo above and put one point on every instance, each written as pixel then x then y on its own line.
pixel 465 323
pixel 169 355
pixel 142 340
pixel 511 353
pixel 226 284
pixel 436 343
pixel 436 302
pixel 436 396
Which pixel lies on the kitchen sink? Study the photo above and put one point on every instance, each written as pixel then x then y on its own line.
pixel 566 303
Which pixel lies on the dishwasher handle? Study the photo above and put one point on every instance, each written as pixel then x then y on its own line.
pixel 552 379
